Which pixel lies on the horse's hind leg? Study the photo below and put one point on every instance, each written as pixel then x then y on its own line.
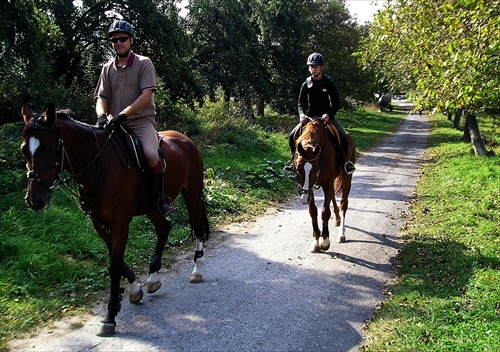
pixel 344 202
pixel 195 204
pixel 196 274
pixel 162 227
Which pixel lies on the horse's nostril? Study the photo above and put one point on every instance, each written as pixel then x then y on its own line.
pixel 36 204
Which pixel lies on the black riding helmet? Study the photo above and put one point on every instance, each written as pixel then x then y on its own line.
pixel 315 59
pixel 121 26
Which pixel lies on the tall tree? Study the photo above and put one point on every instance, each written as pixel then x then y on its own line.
pixel 226 51
pixel 279 28
pixel 448 48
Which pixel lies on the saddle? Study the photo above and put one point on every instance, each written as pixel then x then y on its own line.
pixel 331 132
pixel 128 146
pixel 333 135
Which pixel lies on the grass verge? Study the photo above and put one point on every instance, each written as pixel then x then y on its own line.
pixel 447 296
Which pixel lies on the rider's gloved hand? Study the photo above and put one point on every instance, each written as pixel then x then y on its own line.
pixel 117 120
pixel 325 117
pixel 303 119
pixel 102 119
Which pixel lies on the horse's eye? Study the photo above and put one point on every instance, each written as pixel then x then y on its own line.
pixel 51 150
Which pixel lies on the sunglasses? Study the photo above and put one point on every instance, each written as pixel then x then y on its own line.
pixel 119 39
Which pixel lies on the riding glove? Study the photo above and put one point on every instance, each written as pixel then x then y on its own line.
pixel 117 120
pixel 102 119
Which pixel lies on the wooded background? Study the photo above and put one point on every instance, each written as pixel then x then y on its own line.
pixel 250 52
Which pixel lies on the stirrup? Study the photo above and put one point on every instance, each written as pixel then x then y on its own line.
pixel 289 166
pixel 165 208
pixel 349 168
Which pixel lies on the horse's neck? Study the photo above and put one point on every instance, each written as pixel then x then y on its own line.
pixel 79 144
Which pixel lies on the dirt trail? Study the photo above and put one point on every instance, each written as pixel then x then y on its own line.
pixel 263 290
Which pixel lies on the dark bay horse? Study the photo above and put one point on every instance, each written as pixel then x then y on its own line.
pixel 319 164
pixel 111 192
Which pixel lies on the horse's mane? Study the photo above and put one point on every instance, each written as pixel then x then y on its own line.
pixel 65 114
pixel 69 115
pixel 309 132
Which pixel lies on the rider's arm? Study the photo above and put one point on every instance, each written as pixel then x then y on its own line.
pixel 141 101
pixel 101 106
pixel 302 104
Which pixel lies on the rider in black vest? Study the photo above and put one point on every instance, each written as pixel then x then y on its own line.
pixel 319 98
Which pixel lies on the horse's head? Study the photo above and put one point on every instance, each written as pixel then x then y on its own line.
pixel 307 160
pixel 41 146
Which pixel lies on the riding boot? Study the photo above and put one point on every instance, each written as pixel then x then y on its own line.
pixel 344 146
pixel 292 137
pixel 348 165
pixel 157 183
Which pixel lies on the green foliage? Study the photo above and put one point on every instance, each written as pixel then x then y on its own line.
pixel 445 52
pixel 446 296
pixel 254 51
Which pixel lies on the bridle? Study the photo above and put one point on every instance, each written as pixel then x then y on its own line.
pixel 315 185
pixel 34 175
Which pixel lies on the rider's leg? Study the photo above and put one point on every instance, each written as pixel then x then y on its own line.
pixel 157 183
pixel 292 137
pixel 144 129
pixel 344 146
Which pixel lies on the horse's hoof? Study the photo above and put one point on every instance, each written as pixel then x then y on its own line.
pixel 106 329
pixel 196 278
pixel 136 297
pixel 341 238
pixel 325 245
pixel 153 286
pixel 337 223
pixel 315 249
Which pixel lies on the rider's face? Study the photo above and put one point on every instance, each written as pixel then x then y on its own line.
pixel 121 48
pixel 315 69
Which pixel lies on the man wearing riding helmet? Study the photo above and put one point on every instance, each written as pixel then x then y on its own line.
pixel 125 95
pixel 319 98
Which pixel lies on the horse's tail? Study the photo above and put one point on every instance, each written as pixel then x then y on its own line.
pixel 337 184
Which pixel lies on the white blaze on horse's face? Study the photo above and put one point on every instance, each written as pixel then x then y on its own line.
pixel 307 175
pixel 33 144
pixel 304 197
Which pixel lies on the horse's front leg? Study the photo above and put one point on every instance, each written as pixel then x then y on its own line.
pixel 108 325
pixel 313 212
pixel 325 217
pixel 135 292
pixel 116 241
pixel 197 275
pixel 162 228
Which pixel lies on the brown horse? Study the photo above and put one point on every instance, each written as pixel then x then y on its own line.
pixel 111 192
pixel 318 164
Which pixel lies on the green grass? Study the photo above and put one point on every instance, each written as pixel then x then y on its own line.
pixel 447 295
pixel 52 263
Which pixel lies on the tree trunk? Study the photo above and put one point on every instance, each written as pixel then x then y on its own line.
pixel 456 120
pixel 260 107
pixel 475 135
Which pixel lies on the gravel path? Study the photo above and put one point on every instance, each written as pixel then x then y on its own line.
pixel 263 290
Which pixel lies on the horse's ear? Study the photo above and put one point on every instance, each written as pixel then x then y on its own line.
pixel 300 148
pixel 317 149
pixel 50 114
pixel 27 114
